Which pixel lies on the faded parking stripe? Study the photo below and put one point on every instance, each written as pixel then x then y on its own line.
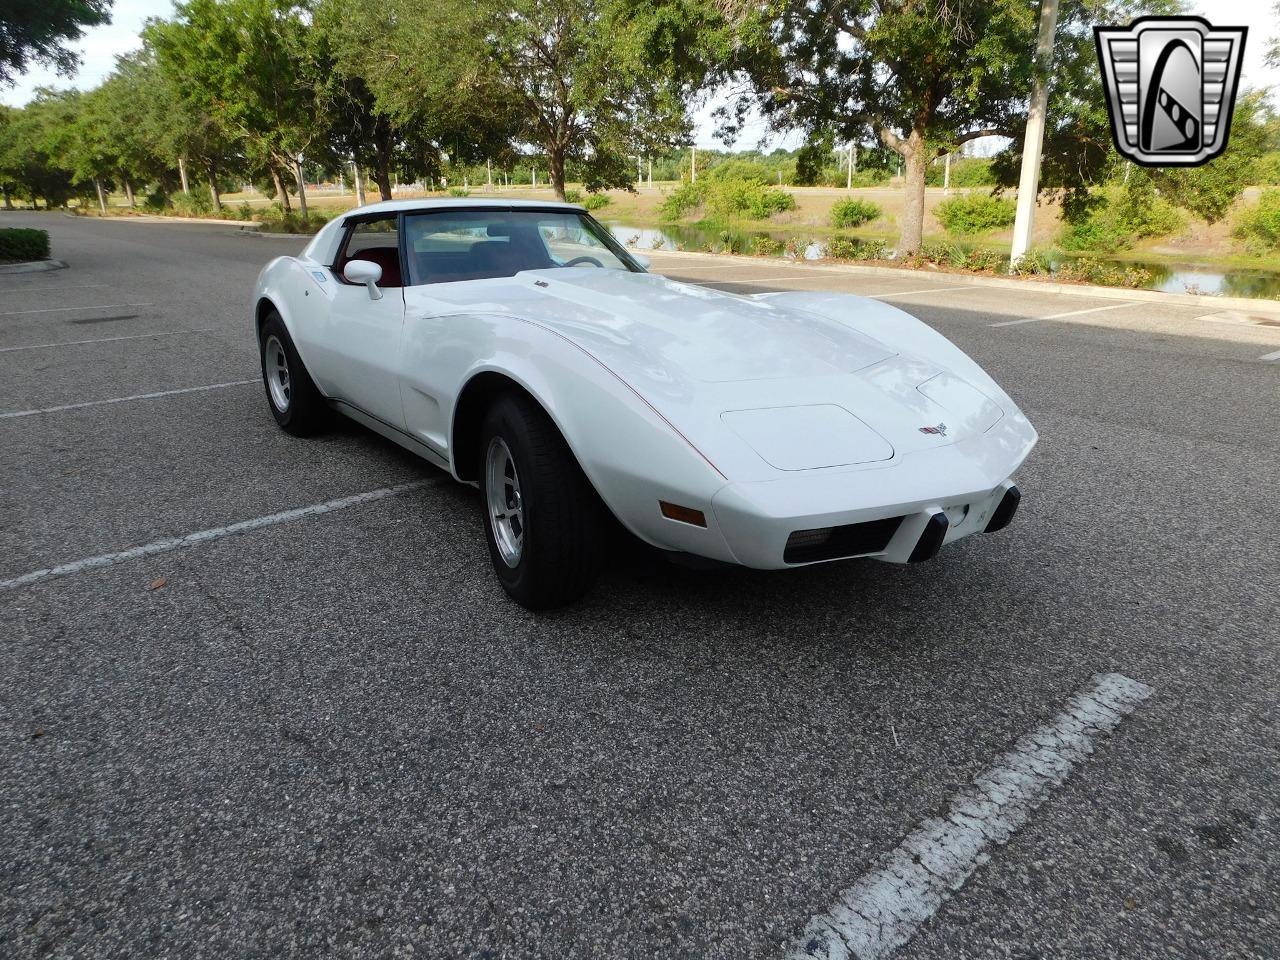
pixel 885 908
pixel 137 396
pixel 206 536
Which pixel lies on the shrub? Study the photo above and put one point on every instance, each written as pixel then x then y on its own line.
pixel 681 201
pixel 1116 219
pixel 766 247
pixel 1034 263
pixel 573 196
pixel 1104 274
pixel 852 248
pixel 156 201
pixel 244 211
pixel 1258 224
pixel 852 212
pixel 975 213
pixel 21 244
pixel 198 204
pixel 597 201
pixel 946 252
pixel 459 192
pixel 965 172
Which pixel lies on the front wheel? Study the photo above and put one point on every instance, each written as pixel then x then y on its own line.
pixel 543 520
pixel 295 402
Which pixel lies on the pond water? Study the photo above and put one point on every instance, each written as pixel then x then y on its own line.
pixel 1172 278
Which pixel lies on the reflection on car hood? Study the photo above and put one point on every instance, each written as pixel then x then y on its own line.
pixel 674 330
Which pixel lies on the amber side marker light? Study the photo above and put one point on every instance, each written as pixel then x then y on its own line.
pixel 673 511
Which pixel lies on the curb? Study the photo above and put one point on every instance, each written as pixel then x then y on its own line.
pixel 33 266
pixel 242 226
pixel 964 279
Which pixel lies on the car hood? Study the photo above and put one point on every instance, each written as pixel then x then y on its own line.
pixel 674 330
pixel 763 389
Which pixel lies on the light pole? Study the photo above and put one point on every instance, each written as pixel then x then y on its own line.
pixel 1033 141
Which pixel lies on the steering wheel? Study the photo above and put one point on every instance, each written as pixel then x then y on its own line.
pixel 585 259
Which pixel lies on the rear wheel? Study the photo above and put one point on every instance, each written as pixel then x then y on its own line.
pixel 297 405
pixel 543 520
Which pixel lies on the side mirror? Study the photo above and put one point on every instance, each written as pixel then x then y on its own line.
pixel 641 259
pixel 366 272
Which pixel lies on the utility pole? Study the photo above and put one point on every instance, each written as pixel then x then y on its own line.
pixel 488 166
pixel 1033 141
pixel 355 172
pixel 639 171
pixel 946 174
pixel 651 173
pixel 849 180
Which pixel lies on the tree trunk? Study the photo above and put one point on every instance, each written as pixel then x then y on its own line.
pixel 8 200
pixel 213 188
pixel 128 192
pixel 302 188
pixel 102 197
pixel 182 175
pixel 555 167
pixel 382 175
pixel 281 193
pixel 915 165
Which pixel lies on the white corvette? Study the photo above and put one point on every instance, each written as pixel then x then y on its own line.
pixel 520 347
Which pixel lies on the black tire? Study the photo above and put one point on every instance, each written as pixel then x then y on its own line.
pixel 561 517
pixel 304 411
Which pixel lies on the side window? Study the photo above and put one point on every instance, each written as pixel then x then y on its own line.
pixel 375 240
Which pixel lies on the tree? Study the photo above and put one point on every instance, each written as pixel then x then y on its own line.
pixel 596 82
pixel 38 145
pixel 247 62
pixel 921 76
pixel 37 31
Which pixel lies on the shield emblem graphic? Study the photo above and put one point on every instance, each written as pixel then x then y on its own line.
pixel 1171 87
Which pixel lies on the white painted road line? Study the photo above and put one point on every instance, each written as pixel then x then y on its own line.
pixel 911 293
pixel 1069 313
pixel 49 286
pixel 886 907
pixel 136 396
pixel 206 536
pixel 76 343
pixel 757 280
pixel 96 306
pixel 1270 356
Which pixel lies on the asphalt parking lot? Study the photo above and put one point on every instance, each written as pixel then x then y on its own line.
pixel 331 734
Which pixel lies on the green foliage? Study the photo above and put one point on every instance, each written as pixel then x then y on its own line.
pixel 766 246
pixel 20 244
pixel 681 201
pixel 975 213
pixel 854 248
pixel 1268 169
pixel 965 172
pixel 459 192
pixel 1258 224
pixel 951 254
pixel 195 204
pixel 1104 274
pixel 726 199
pixel 1118 218
pixel 853 212
pixel 37 33
pixel 1034 263
pixel 597 201
pixel 573 196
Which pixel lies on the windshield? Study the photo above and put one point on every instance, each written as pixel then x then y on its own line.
pixel 450 245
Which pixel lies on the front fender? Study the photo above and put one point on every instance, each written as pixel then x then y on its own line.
pixel 631 454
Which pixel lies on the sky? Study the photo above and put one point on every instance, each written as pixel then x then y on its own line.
pixel 100 46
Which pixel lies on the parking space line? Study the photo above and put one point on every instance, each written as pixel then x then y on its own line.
pixel 207 536
pixel 1069 313
pixel 95 306
pixel 912 293
pixel 49 286
pixel 75 343
pixel 137 396
pixel 766 280
pixel 1270 356
pixel 886 907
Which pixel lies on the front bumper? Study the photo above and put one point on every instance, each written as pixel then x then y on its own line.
pixel 900 513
